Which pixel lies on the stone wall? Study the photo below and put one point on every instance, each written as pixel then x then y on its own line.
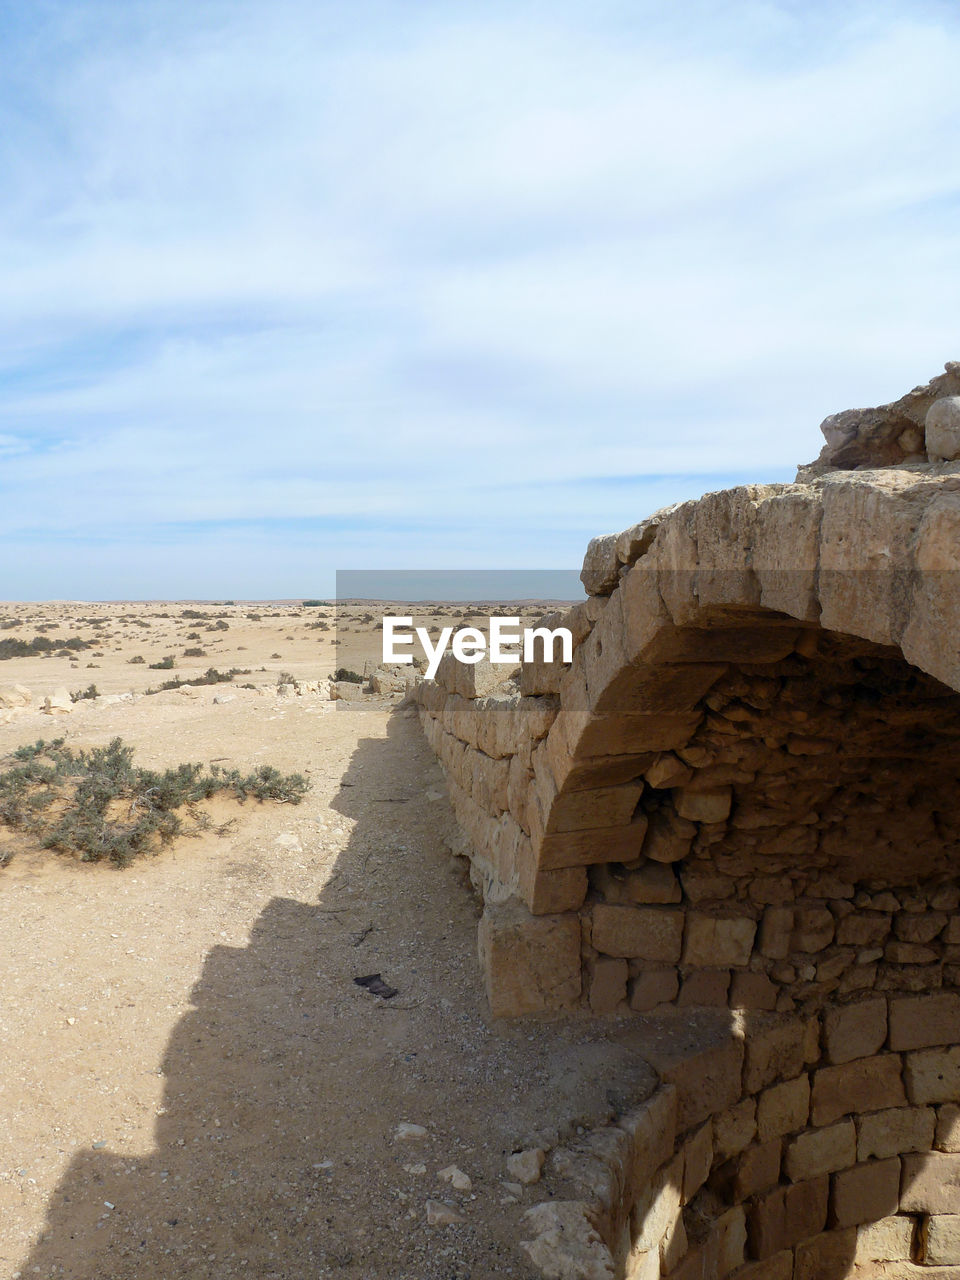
pixel 740 800
pixel 802 1149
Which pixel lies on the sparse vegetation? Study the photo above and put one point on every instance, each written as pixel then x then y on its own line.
pixel 194 653
pixel 98 805
pixel 137 658
pixel 352 677
pixel 210 676
pixel 317 604
pixel 90 692
pixel 13 648
pixel 165 664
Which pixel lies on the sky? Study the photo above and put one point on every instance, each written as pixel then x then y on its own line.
pixel 291 286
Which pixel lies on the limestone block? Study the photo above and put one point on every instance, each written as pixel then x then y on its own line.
pixel 931 1183
pixel 708 805
pixel 758 1169
pixel 786 1216
pixel 868 929
pixel 60 703
pixel 668 771
pixel 779 1267
pixel 585 734
pixel 653 882
pixel 652 988
pixel 668 837
pixel 855 1030
pixel 942 429
pixel 922 926
pixel 650 1129
pixel 868 1084
pixel 705 988
pixel 734 1129
pixel 15 695
pixel 893 1132
pixel 813 929
pixel 598 807
pixel 947 1137
pixel 886 1240
pixel 784 1109
pixel 866 1192
pixel 718 940
pixel 819 1151
pixel 774 1051
pixel 582 848
pixel 646 933
pixel 918 1022
pixel 530 963
pixel 776 929
pixel 601 565
pixel 933 1075
pixel 697 1160
pixel 752 991
pixel 826 1257
pixel 606 984
pixel 706 1070
pixel 940 1240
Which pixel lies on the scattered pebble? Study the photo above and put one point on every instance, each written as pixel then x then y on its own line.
pixel 415 1168
pixel 441 1215
pixel 456 1177
pixel 410 1132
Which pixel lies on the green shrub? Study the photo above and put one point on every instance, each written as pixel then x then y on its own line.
pixel 194 653
pixel 137 658
pixel 13 648
pixel 91 692
pixel 98 805
pixel 352 677
pixel 165 664
pixel 317 604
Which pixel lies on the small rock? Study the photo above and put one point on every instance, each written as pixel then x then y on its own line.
pixel 456 1177
pixel 415 1168
pixel 58 703
pixel 514 1188
pixel 98 1146
pixel 441 1215
pixel 525 1166
pixel 221 698
pixel 287 840
pixel 410 1132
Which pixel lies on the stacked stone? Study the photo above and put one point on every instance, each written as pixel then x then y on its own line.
pixel 806 1150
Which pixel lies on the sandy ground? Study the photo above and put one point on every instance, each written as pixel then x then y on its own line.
pixel 193 1084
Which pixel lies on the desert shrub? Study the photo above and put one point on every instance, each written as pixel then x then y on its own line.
pixel 352 677
pixel 136 659
pixel 13 648
pixel 90 692
pixel 285 678
pixel 219 625
pixel 99 806
pixel 194 653
pixel 193 613
pixel 210 676
pixel 255 617
pixel 317 604
pixel 165 664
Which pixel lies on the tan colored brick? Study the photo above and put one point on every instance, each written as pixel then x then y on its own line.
pixel 947 1136
pixel 783 1109
pixel 530 963
pixel 893 1132
pixel 776 929
pixel 868 1084
pixel 886 1240
pixel 855 1030
pixel 933 1075
pixel 707 1077
pixel 753 991
pixel 787 1215
pixel 651 1129
pixel 919 1022
pixel 819 1151
pixel 931 1183
pixel 703 805
pixel 647 933
pixel 826 1257
pixel 705 988
pixel 697 1159
pixel 940 1240
pixel 866 1192
pixel 653 987
pixel 774 1051
pixel 757 1169
pixel 606 984
pixel 735 1129
pixel 718 940
pixel 729 1234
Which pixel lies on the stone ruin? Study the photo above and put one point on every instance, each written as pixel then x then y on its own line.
pixel 734 817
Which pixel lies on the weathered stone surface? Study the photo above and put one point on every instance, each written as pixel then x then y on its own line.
pixel 774 1051
pixel 710 804
pixel 819 1151
pixel 566 1243
pixel 607 984
pixel 652 988
pixel 942 428
pixel 866 1192
pixel 947 1136
pixel 868 1084
pixel 784 1109
pixel 648 933
pixel 826 1257
pixel 891 1133
pixel 531 963
pixel 855 1030
pixel 933 1075
pixel 940 1240
pixel 718 940
pixel 931 1183
pixel 787 1215
pixel 886 1240
pixel 918 1022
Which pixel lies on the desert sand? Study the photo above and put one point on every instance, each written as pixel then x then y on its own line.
pixel 194 1084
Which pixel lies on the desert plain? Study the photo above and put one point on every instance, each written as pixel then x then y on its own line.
pixel 193 1082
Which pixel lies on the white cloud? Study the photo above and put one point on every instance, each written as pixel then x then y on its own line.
pixel 290 261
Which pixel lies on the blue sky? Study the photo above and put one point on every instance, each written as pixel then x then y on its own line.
pixel 287 288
